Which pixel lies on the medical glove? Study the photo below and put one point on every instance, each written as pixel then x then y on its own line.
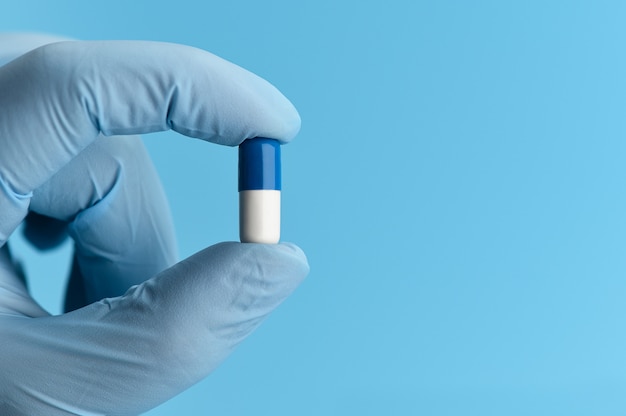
pixel 140 328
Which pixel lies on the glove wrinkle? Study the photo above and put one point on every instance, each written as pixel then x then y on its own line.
pixel 58 98
pixel 127 354
pixel 142 329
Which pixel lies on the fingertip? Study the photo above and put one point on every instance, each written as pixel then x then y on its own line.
pixel 297 253
pixel 293 123
pixel 275 115
pixel 286 257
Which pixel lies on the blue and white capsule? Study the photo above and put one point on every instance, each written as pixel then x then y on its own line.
pixel 259 191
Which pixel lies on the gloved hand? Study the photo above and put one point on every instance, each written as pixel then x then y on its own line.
pixel 123 351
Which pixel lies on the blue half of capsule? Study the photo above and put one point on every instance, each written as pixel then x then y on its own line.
pixel 259 164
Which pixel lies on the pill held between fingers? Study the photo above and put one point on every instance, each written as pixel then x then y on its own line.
pixel 259 191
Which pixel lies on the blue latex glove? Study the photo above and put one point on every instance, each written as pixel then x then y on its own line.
pixel 127 350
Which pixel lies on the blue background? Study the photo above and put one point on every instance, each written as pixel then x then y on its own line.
pixel 458 186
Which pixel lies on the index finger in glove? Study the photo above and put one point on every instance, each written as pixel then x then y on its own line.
pixel 58 98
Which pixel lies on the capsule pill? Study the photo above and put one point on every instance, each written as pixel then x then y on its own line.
pixel 259 191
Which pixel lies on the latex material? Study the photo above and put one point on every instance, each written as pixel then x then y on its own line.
pixel 74 91
pixel 16 44
pixel 145 327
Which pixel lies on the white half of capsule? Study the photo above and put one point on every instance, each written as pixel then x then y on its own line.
pixel 259 216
